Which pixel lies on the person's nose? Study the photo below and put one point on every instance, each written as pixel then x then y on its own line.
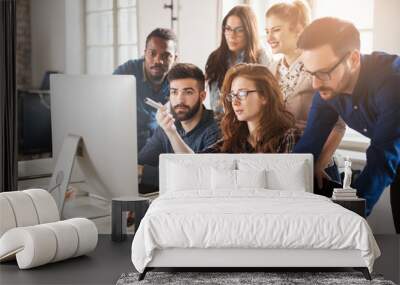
pixel 158 59
pixel 316 83
pixel 231 35
pixel 269 37
pixel 236 101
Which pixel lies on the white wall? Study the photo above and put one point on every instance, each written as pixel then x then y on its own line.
pixel 74 37
pixel 196 27
pixel 387 26
pixel 151 15
pixel 197 30
pixel 48 37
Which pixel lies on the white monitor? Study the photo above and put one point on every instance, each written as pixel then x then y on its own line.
pixel 101 110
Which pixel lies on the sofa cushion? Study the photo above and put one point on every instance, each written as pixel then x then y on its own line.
pixel 40 244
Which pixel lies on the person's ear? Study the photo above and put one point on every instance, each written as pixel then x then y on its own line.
pixel 355 58
pixel 203 95
pixel 263 100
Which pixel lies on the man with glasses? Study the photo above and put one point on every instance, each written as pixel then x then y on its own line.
pixel 187 124
pixel 150 72
pixel 364 90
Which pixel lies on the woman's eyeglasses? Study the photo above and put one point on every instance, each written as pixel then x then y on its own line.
pixel 240 95
pixel 236 31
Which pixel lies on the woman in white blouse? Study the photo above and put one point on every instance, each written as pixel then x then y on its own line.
pixel 285 22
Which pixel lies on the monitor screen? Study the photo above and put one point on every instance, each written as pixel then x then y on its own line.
pixel 102 111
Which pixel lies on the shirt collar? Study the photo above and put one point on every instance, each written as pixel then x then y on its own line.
pixel 239 59
pixel 362 82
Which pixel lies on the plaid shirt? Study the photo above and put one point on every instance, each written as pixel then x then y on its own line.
pixel 286 144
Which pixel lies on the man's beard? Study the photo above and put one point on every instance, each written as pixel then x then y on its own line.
pixel 190 113
pixel 345 83
pixel 156 78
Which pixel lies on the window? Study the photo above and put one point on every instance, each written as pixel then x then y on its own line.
pixel 111 34
pixel 359 12
pixel 259 8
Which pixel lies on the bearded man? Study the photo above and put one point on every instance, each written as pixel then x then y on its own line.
pixel 193 123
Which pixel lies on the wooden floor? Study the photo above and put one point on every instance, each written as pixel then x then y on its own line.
pixel 110 260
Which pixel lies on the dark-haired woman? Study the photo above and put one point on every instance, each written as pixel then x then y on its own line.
pixel 239 44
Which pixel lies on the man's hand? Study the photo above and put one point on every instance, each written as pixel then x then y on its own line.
pixel 165 120
pixel 320 174
pixel 140 170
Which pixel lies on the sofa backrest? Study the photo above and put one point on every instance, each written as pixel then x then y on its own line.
pixel 26 208
pixel 194 171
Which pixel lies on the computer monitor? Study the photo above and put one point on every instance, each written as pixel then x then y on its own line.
pixel 100 113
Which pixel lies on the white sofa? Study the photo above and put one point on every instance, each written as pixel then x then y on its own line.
pixel 31 231
pixel 266 197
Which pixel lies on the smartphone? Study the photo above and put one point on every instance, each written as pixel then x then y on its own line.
pixel 152 103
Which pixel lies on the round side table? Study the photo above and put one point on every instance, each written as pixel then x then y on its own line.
pixel 136 204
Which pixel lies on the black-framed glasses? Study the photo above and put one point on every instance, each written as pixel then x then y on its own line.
pixel 326 75
pixel 240 95
pixel 235 31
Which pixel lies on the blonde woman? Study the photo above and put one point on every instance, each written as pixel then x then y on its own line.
pixel 285 22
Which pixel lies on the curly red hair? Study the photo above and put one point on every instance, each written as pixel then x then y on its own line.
pixel 275 119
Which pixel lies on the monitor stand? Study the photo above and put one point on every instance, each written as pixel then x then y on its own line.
pixel 71 147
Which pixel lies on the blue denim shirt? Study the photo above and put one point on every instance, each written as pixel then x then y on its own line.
pixel 146 115
pixel 373 109
pixel 205 134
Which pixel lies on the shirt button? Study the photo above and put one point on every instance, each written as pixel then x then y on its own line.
pixel 355 107
pixel 365 130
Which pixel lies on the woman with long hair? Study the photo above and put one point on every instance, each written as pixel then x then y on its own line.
pixel 239 43
pixel 255 119
pixel 285 21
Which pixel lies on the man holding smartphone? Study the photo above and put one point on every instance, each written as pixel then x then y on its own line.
pixel 187 121
pixel 150 72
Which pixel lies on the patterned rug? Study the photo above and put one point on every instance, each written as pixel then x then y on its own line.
pixel 243 278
